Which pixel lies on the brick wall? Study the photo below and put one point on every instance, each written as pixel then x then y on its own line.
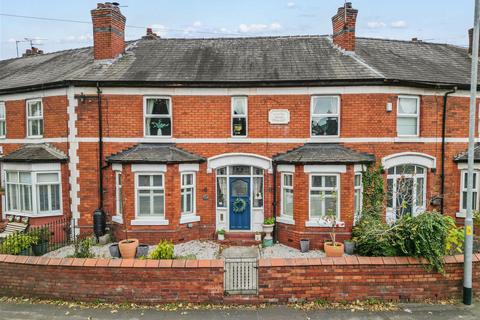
pixel 201 281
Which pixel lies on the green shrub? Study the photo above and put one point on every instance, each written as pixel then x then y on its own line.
pixel 455 238
pixel 17 242
pixel 373 238
pixel 44 234
pixel 221 231
pixel 83 248
pixel 476 218
pixel 163 250
pixel 269 221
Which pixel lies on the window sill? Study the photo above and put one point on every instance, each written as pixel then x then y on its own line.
pixel 149 222
pixel 461 215
pixel 189 218
pixel 285 220
pixel 323 224
pixel 117 219
pixel 406 139
pixel 34 137
pixel 34 215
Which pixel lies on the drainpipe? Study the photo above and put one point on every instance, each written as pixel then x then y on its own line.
pixel 444 132
pixel 100 147
pixel 274 203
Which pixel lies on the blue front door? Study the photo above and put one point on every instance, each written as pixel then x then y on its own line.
pixel 239 203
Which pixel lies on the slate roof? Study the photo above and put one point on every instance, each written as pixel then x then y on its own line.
pixel 35 153
pixel 155 153
pixel 240 61
pixel 323 153
pixel 463 156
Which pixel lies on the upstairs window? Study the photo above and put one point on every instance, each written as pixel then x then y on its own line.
pixel 325 116
pixel 3 117
pixel 158 117
pixel 408 113
pixel 34 118
pixel 239 116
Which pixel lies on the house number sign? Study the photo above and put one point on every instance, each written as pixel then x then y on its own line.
pixel 279 116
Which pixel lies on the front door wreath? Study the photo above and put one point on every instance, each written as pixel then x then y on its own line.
pixel 239 205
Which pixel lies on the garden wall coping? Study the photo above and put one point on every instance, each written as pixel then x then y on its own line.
pixel 279 262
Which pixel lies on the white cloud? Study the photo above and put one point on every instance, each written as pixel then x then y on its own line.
pixel 376 24
pixel 291 4
pixel 159 29
pixel 197 24
pixel 84 38
pixel 258 27
pixel 11 40
pixel 400 24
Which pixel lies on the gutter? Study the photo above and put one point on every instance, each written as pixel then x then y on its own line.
pixel 444 132
pixel 274 203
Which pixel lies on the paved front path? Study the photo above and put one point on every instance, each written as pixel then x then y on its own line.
pixel 13 311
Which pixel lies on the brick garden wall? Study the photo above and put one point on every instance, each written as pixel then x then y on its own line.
pixel 201 281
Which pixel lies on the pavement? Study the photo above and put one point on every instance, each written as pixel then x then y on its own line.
pixel 23 311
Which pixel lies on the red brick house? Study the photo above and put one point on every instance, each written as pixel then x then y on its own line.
pixel 184 137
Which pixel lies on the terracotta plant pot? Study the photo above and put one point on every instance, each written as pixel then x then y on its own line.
pixel 333 251
pixel 128 248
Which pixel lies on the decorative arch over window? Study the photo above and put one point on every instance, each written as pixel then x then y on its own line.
pixel 409 158
pixel 231 159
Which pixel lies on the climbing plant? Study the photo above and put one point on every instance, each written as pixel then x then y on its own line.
pixel 373 191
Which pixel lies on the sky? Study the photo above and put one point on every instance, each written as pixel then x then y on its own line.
pixel 442 21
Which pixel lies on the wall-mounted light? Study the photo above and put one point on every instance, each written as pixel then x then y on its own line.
pixel 389 107
pixel 82 98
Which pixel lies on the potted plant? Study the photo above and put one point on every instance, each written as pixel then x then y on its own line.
pixel 43 235
pixel 304 245
pixel 221 234
pixel 333 248
pixel 18 244
pixel 268 225
pixel 142 251
pixel 127 247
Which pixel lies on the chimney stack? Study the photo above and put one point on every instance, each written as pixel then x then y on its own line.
pixel 34 51
pixel 344 27
pixel 108 31
pixel 150 35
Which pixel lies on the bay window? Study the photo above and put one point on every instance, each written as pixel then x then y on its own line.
pixel 406 190
pixel 325 116
pixel 150 195
pixel 33 193
pixel 158 116
pixel 463 191
pixel 287 195
pixel 408 114
pixel 358 196
pixel 239 116
pixel 34 118
pixel 188 193
pixel 324 190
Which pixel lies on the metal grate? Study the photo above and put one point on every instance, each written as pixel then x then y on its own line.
pixel 241 276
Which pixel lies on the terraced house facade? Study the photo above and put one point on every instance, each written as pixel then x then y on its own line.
pixel 178 138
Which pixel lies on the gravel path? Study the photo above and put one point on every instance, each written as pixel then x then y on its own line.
pixel 199 249
pixel 282 251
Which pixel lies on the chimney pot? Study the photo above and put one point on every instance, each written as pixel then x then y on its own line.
pixel 344 23
pixel 34 51
pixel 108 31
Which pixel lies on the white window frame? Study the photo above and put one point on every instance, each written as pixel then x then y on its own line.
pixel 169 116
pixel 415 176
pixel 284 187
pixel 183 198
pixel 463 189
pixel 325 115
pixel 357 190
pixel 149 188
pixel 34 118
pixel 408 115
pixel 3 120
pixel 118 193
pixel 35 194
pixel 232 115
pixel 319 221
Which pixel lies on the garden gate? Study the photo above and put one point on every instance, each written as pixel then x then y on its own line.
pixel 241 276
